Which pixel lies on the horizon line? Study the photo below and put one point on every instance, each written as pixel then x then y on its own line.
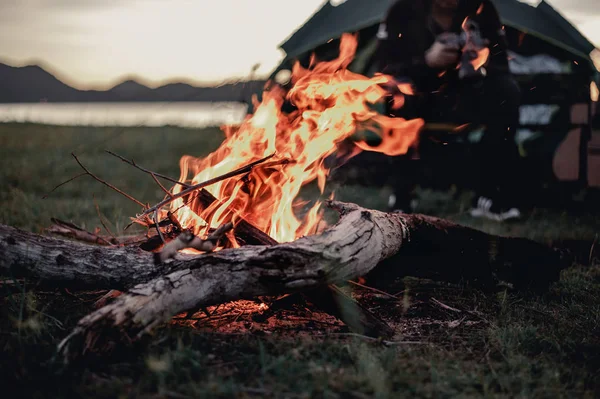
pixel 152 84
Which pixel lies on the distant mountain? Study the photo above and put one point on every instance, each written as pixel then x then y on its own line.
pixel 33 84
pixel 130 90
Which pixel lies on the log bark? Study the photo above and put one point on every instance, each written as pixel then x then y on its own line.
pixel 363 243
pixel 58 262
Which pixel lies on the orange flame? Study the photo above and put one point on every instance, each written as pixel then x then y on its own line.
pixel 332 104
pixel 482 57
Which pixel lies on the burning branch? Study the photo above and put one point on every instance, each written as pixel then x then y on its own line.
pixel 196 187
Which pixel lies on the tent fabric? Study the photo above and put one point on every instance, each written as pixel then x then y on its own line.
pixel 353 15
pixel 579 40
pixel 331 22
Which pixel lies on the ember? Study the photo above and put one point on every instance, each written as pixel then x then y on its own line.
pixel 332 105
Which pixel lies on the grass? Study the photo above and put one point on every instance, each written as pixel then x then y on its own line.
pixel 500 344
pixel 35 158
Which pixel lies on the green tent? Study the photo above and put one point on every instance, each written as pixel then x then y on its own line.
pixel 330 22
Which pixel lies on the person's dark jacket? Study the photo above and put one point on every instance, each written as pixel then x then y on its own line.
pixel 410 32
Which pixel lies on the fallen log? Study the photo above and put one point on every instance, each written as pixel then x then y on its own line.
pixel 362 243
pixel 57 262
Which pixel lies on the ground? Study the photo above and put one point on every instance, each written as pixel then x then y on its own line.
pixel 450 340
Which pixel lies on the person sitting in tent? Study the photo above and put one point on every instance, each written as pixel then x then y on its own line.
pixel 423 42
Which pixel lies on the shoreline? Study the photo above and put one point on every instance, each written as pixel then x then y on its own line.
pixel 126 114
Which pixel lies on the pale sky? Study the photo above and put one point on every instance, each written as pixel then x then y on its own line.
pixel 94 43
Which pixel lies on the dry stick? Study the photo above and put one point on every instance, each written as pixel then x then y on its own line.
pixel 101 219
pixel 444 306
pixel 185 185
pixel 281 162
pixel 135 165
pixel 161 186
pixel 154 176
pixel 240 171
pixel 387 294
pixel 63 183
pixel 70 230
pixel 108 184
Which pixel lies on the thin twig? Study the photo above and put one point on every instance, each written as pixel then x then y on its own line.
pixel 240 171
pixel 160 234
pixel 373 289
pixel 70 230
pixel 384 342
pixel 108 184
pixel 444 306
pixel 161 186
pixel 135 165
pixel 63 183
pixel 102 219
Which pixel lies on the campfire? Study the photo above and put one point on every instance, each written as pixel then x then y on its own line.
pixel 282 152
pixel 230 227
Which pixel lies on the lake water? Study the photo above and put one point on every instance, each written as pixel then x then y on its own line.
pixel 184 114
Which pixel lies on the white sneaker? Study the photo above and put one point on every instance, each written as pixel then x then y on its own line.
pixel 485 208
pixel 391 201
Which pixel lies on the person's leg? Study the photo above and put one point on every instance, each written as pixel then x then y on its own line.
pixel 494 102
pixel 404 173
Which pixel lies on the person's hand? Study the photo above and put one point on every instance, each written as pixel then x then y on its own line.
pixel 443 53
